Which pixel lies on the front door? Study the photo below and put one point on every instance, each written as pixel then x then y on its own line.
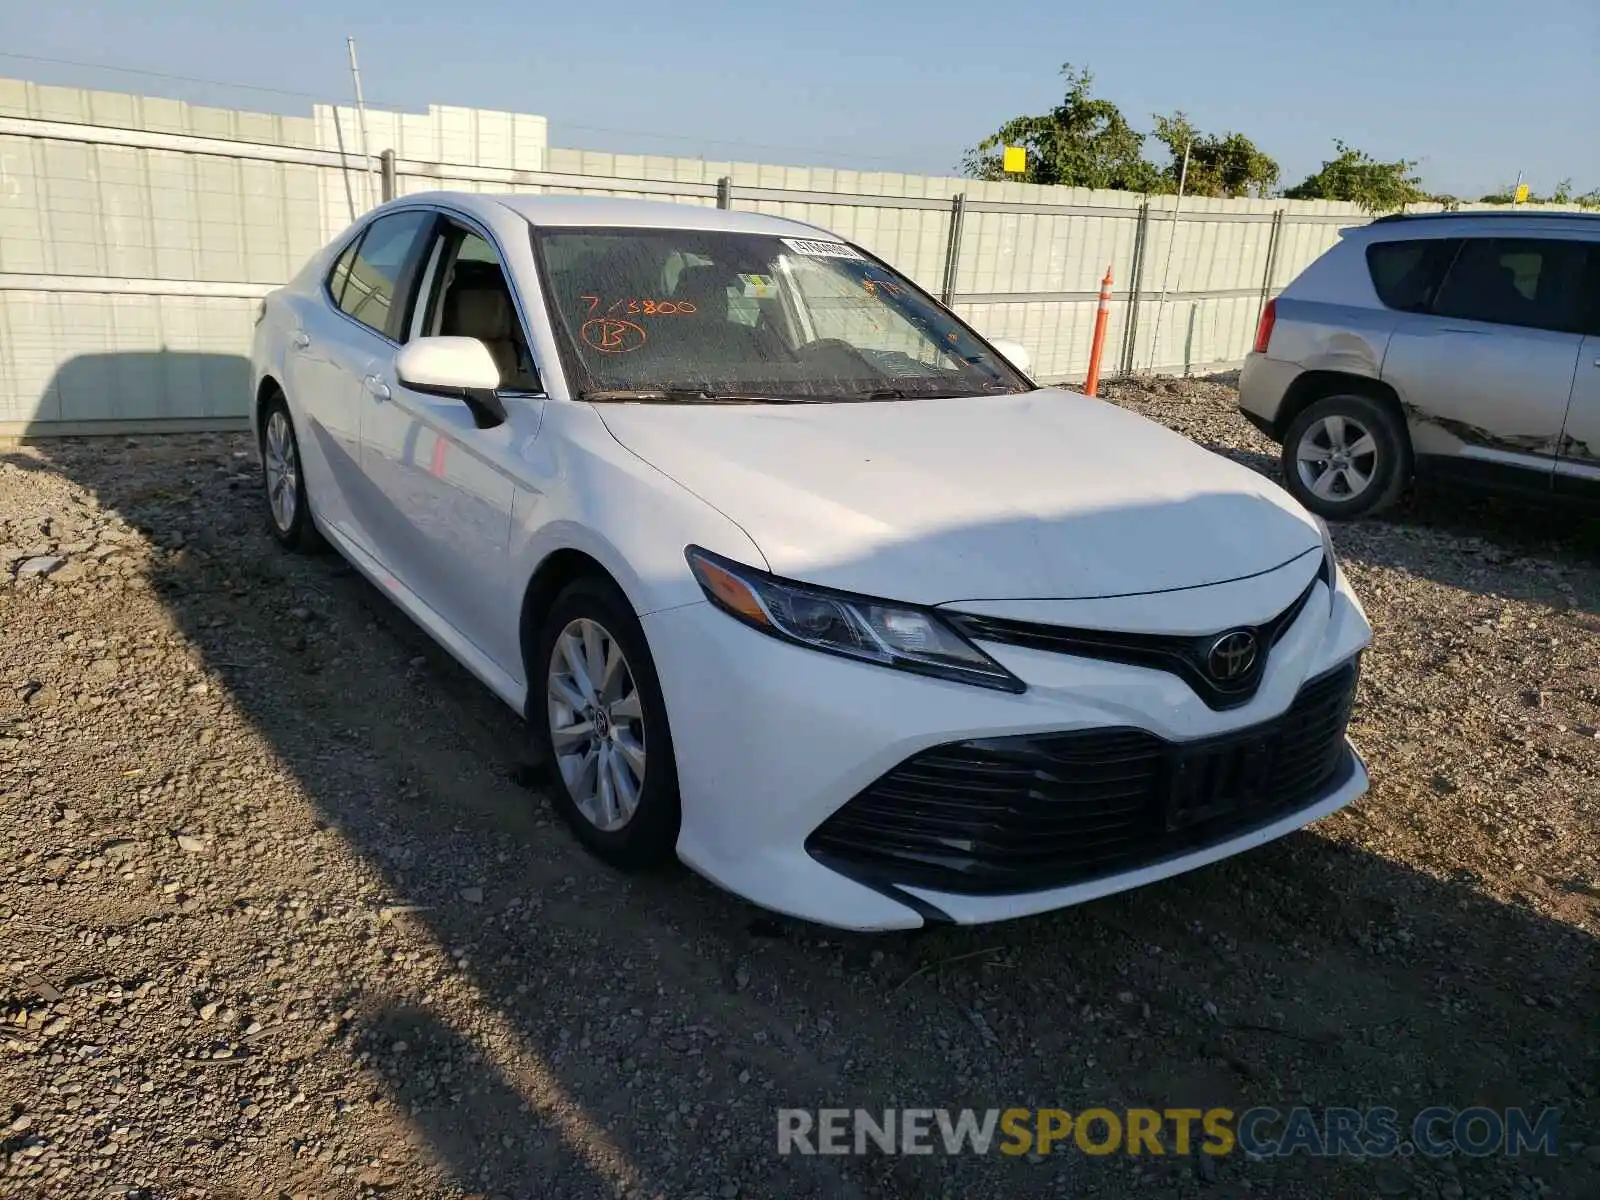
pixel 447 487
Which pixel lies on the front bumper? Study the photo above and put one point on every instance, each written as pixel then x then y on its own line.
pixel 772 739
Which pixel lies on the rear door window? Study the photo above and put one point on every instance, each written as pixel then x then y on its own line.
pixel 1537 283
pixel 340 275
pixel 384 252
pixel 1407 274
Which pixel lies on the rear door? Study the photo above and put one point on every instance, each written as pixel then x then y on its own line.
pixel 1485 371
pixel 317 388
pixel 359 325
pixel 1578 468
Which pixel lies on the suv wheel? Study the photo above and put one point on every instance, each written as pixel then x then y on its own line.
pixel 1346 456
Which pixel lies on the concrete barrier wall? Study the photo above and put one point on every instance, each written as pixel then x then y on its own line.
pixel 138 234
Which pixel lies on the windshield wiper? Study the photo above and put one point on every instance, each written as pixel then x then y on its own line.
pixel 674 395
pixel 917 394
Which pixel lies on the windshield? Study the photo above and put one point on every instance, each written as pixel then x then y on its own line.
pixel 682 315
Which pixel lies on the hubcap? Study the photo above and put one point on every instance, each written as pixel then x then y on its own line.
pixel 283 471
pixel 596 724
pixel 1337 458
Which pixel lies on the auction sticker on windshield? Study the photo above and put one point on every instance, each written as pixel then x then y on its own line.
pixel 820 249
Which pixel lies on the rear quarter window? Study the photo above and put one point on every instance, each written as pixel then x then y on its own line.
pixel 1407 274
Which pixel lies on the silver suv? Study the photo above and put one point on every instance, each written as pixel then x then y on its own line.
pixel 1462 345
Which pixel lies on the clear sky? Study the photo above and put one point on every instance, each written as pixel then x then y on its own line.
pixel 1476 90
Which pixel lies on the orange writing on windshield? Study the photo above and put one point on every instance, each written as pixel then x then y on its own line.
pixel 643 308
pixel 612 336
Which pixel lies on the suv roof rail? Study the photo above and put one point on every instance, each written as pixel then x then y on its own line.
pixel 1490 213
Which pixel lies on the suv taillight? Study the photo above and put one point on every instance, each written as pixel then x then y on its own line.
pixel 1269 317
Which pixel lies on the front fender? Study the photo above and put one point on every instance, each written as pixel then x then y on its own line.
pixel 590 494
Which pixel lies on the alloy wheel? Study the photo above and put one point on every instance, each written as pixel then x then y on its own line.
pixel 283 471
pixel 596 724
pixel 1337 458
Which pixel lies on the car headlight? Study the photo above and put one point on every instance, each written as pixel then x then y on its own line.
pixel 859 627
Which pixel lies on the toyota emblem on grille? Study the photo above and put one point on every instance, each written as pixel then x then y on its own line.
pixel 1231 657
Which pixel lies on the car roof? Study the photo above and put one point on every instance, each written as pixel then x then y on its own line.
pixel 1495 214
pixel 1499 221
pixel 547 211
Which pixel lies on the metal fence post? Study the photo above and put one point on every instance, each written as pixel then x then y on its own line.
pixel 1130 328
pixel 952 250
pixel 725 192
pixel 386 162
pixel 1273 241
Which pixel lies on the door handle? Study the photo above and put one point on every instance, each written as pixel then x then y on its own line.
pixel 378 388
pixel 301 339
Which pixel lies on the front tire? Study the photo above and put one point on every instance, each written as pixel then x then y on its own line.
pixel 598 715
pixel 283 470
pixel 1346 456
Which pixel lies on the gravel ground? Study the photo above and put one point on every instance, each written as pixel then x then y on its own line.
pixel 285 914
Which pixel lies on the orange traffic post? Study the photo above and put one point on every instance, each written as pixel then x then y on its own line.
pixel 1100 315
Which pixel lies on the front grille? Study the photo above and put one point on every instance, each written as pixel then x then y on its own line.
pixel 1182 656
pixel 1019 814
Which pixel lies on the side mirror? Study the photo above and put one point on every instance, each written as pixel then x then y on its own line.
pixel 457 368
pixel 1013 352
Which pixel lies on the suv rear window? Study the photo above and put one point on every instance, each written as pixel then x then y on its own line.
pixel 1533 282
pixel 1406 274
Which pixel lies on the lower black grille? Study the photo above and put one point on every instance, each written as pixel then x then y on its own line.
pixel 1018 814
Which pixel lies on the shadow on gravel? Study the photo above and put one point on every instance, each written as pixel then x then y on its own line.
pixel 635 1036
pixel 1520 525
pixel 473 1120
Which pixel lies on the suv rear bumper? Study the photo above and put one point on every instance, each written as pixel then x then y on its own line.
pixel 1263 383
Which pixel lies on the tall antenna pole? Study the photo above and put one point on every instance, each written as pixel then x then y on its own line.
pixel 361 116
pixel 1172 240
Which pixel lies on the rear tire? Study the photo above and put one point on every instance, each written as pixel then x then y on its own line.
pixel 288 503
pixel 1346 456
pixel 598 716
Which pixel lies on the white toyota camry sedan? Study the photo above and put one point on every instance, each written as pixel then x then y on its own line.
pixel 793 574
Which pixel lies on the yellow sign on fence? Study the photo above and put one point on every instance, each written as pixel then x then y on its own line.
pixel 1521 196
pixel 1015 160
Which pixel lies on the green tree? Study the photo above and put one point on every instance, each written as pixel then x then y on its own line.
pixel 1083 142
pixel 1355 176
pixel 1229 165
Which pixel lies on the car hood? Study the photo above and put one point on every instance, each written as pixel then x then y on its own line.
pixel 1046 495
